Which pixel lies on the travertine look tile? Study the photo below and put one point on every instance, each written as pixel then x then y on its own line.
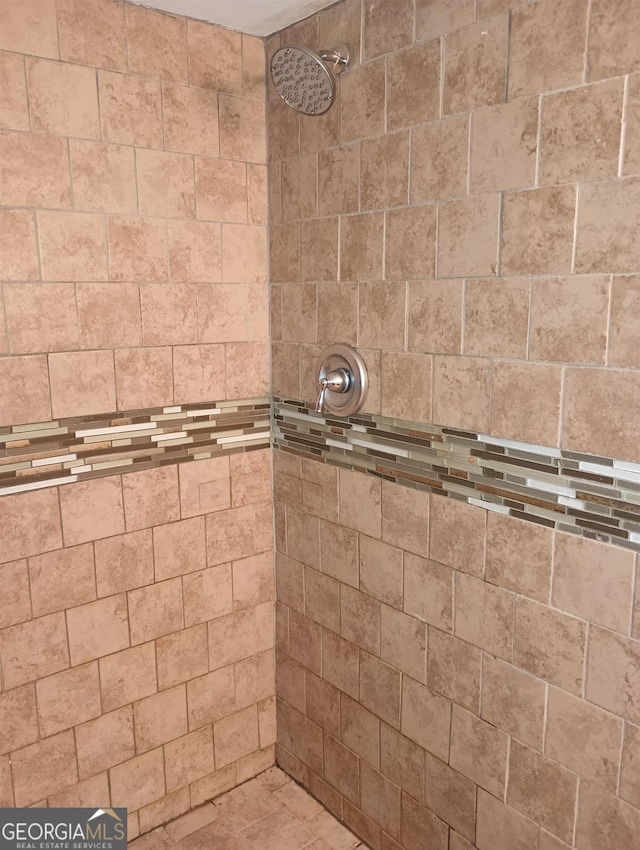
pixel 631 161
pixel 124 562
pixel 405 517
pixel 603 817
pixel 97 629
pixel 40 37
pixel 537 231
pixel 384 176
pixel 607 223
pixel 484 615
pixel 72 246
pixel 258 193
pixel 33 650
pixel 339 553
pixel 453 669
pixel 128 676
pixel 624 307
pixel 248 803
pixel 420 825
pixel 461 392
pixel 508 538
pixel 580 135
pixel 426 718
pixel 207 594
pixel 44 767
pixel 179 548
pixel 360 498
pixel 103 177
pixel 457 535
pixel 169 314
pixel 525 401
pixel 215 57
pixel 230 535
pixel 14 587
pixel 18 251
pixel 139 781
pixel 305 640
pixel 613 34
pixel 14 110
pixel 337 313
pixel 130 109
pixel 253 67
pixel 479 751
pixel 359 730
pixel 195 251
pixel 105 742
pixel 137 249
pixel 500 827
pixel 630 768
pixel 18 718
pixel 62 579
pixel 593 581
pixel 189 758
pixel 299 185
pixel 221 187
pixel 547 46
pixel 63 99
pixel 475 65
pixel 403 642
pixel 253 580
pixel 380 799
pixel 322 599
pixel 496 317
pixel 362 247
pixel 362 98
pixel 94 35
pixel 68 698
pixel 387 26
pixel 407 386
pixel 439 160
pixel 600 412
pixel 109 316
pixel 513 701
pixel 204 486
pixel 380 688
pixel 550 644
pixel 324 709
pixel 468 236
pixel 82 383
pixel 198 372
pixel 151 497
pixel 435 310
pixel 21 537
pixel 319 249
pixel 402 761
pixel 165 184
pixel 542 790
pixel 504 141
pixel 41 317
pixel 450 795
pixel 380 571
pixel 407 71
pixel 6 784
pixel 236 736
pixel 583 738
pixel 611 665
pixel 91 510
pixel 341 769
pixel 435 17
pixel 242 129
pixel 244 254
pixel 428 591
pixel 144 377
pixel 167 808
pixel 34 170
pixel 157 45
pixel 190 120
pixel 410 239
pixel 155 610
pixel 339 175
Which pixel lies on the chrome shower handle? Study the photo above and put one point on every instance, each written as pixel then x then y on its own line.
pixel 338 381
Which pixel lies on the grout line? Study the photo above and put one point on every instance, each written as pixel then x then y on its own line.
pixel 576 223
pixel 608 328
pixel 623 126
pixel 536 180
pixel 587 45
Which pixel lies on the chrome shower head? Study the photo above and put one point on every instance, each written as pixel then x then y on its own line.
pixel 302 79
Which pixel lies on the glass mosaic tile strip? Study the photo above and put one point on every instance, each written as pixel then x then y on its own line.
pixel 50 454
pixel 595 497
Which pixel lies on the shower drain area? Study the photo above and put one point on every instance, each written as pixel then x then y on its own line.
pixel 270 812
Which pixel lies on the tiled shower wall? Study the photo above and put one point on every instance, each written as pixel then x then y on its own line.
pixel 136 611
pixel 467 215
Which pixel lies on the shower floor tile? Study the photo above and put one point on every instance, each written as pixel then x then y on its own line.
pixel 270 812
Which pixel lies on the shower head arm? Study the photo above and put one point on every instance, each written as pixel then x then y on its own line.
pixel 337 59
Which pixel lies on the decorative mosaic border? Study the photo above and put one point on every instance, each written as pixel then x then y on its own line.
pixel 594 497
pixel 49 454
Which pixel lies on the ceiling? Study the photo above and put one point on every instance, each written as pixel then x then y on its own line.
pixel 255 17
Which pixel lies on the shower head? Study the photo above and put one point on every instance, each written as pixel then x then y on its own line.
pixel 302 79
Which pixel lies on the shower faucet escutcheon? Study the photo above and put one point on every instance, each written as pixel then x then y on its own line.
pixel 343 381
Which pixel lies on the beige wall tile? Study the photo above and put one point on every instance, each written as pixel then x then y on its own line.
pixel 207 594
pixel 593 581
pixel 319 250
pixel 21 537
pixel 583 738
pixel 299 185
pixel 255 679
pixel 244 254
pixel 450 795
pixel 360 502
pixel 339 175
pixel 139 781
pixel 458 535
pixel 108 315
pixel 137 249
pixel 34 650
pixel 603 817
pixel 284 253
pixel 215 57
pixel 14 109
pixel 405 517
pixel 500 827
pixel 198 373
pixel 242 129
pixel 341 769
pixel 453 669
pixel 230 535
pixel 82 383
pixel 6 784
pixel 410 70
pixel 204 486
pixel 190 120
pixel 182 656
pixel 428 591
pixel 362 98
pixel 155 610
pixel 504 142
pixel 321 599
pixel 210 698
pixel 607 224
pixel 124 562
pixel 380 688
pixel 91 510
pixel 426 718
pixel 548 41
pixel 386 27
pixel 410 243
pixel 247 370
pixel 104 742
pixel 600 412
pixel 384 176
pixel 631 162
pixel 359 730
pixel 68 698
pixel 72 246
pixel 611 40
pixel 130 109
pixel 144 377
pixel 231 638
pixel 169 313
pixel 18 250
pixel 407 386
pixel 542 790
pixel 253 67
pixel 513 701
pixel 40 38
pixel 19 718
pixel 14 587
pixel 435 310
pixel 44 767
pixel 165 184
pixel 580 133
pixel 128 676
pixel 253 580
pixel 439 160
pixel 380 571
pixel 610 665
pixel 467 236
pixel 507 539
pixel 63 99
pixel 402 761
pixel 550 644
pixel 98 628
pixel 442 16
pixel 339 553
pixel 103 177
pixel 478 751
pixel 221 187
pixel 236 736
pixel 420 825
pixel 362 247
pixel 179 548
pixel 157 45
pixel 34 171
pixel 41 317
pixel 629 788
pixel 62 579
pixel 151 497
pixel 258 194
pixel 195 251
pixel 625 304
pixel 337 314
pixel 475 65
pixel 189 758
pixel 403 643
pixel 484 615
pixel 496 317
pixel 537 231
pixel 380 799
pixel 93 35
pixel 525 402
